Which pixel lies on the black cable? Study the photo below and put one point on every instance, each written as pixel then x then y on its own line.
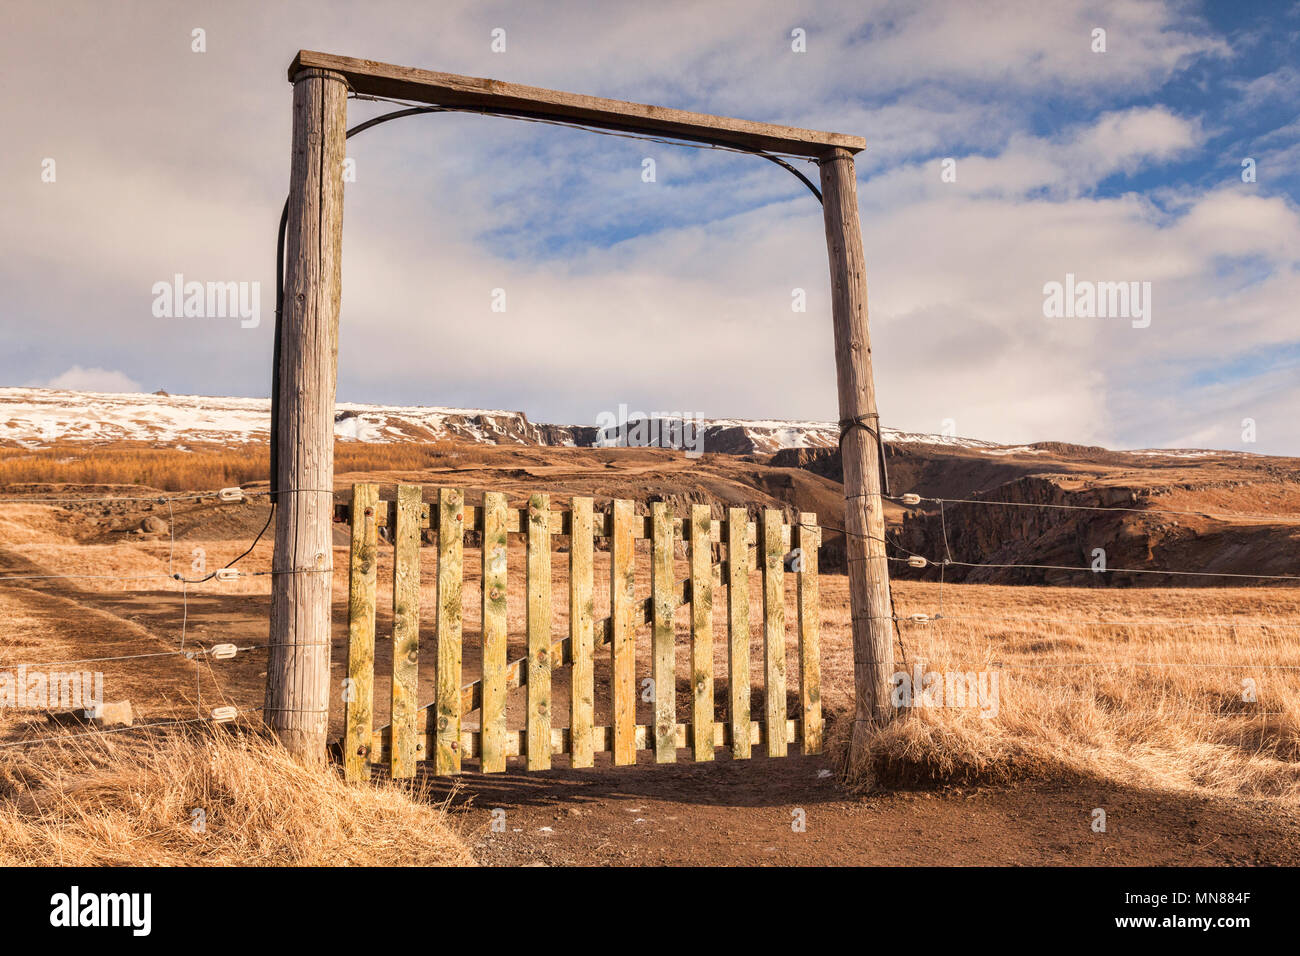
pixel 781 162
pixel 231 564
pixel 279 299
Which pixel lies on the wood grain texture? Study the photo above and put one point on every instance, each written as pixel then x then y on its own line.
pixel 662 635
pixel 701 557
pixel 296 705
pixel 449 89
pixel 622 583
pixel 539 632
pixel 871 605
pixel 773 557
pixel 493 758
pixel 582 681
pixel 738 632
pixel 808 540
pixel 359 692
pixel 451 575
pixel 406 630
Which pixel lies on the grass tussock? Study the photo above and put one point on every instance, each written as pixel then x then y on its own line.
pixel 131 802
pixel 921 750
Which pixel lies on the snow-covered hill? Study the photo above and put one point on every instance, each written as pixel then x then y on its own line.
pixel 38 417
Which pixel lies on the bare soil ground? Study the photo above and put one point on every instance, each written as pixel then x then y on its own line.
pixel 1141 719
pixel 742 813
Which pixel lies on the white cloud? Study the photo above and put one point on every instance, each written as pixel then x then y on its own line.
pixel 93 380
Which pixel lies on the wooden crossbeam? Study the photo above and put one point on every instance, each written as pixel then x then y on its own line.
pixel 369 77
pixel 561 521
pixel 602 739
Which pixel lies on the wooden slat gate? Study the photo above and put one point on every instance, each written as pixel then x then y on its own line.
pixel 435 732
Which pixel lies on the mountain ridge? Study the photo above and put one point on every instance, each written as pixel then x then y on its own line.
pixel 34 417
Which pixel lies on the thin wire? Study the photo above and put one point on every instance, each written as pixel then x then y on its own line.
pixel 1194 574
pixel 55 738
pixel 1141 511
pixel 185 619
pixel 171 534
pixel 92 577
pixel 998 662
pixel 212 574
pixel 157 499
pixel 1053 567
pixel 158 576
pixel 943 524
pixel 202 653
pixel 163 499
pixel 943 521
pixel 1129 622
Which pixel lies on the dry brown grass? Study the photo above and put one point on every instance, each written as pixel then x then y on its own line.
pixel 1158 703
pixel 1152 702
pixel 205 469
pixel 128 800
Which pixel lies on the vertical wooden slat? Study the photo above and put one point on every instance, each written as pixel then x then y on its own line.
pixel 622 581
pixel 493 711
pixel 773 554
pixel 451 572
pixel 406 628
pixel 807 539
pixel 701 633
pixel 664 605
pixel 539 632
pixel 359 694
pixel 582 689
pixel 738 634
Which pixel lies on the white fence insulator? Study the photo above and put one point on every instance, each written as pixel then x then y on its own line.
pixel 916 561
pixel 231 494
pixel 228 574
pixel 919 618
pixel 911 499
pixel 222 652
pixel 224 715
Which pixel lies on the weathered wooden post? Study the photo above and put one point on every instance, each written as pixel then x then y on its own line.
pixel 297 676
pixel 864 515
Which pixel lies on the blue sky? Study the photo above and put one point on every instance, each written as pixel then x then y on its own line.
pixel 676 295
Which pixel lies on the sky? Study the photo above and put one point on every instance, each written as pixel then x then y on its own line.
pixel 1005 152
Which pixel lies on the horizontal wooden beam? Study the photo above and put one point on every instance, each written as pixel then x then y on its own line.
pixel 371 78
pixel 602 739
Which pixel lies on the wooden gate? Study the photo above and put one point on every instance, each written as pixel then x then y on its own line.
pixel 435 732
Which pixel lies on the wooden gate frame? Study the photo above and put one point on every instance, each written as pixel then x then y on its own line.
pixel 298 673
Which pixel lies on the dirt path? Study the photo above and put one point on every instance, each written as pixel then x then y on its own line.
pixel 742 814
